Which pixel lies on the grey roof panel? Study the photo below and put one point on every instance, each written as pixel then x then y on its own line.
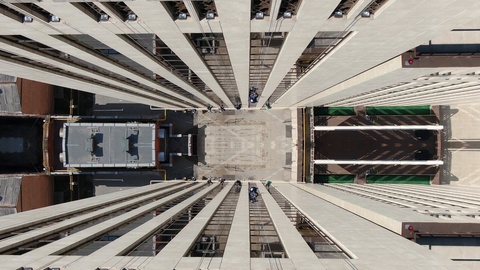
pixel 109 145
pixel 9 190
pixel 6 78
pixel 7 211
pixel 9 98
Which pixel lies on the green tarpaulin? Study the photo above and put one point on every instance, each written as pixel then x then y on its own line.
pixel 334 111
pixel 399 110
pixel 399 179
pixel 334 178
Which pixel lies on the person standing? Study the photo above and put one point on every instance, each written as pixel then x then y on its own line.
pixel 253 194
pixel 238 186
pixel 267 185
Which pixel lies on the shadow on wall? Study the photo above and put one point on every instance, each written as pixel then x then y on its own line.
pixel 201 144
pixel 446 114
pixel 447 176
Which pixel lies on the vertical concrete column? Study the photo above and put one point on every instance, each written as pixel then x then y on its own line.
pixel 235 19
pixel 25 219
pixel 158 19
pixel 274 9
pixel 297 249
pixel 122 45
pixel 169 257
pixel 348 59
pixel 90 233
pixel 67 224
pixel 380 162
pixel 375 127
pixel 137 235
pixel 60 63
pixel 309 19
pixel 237 249
pixel 40 74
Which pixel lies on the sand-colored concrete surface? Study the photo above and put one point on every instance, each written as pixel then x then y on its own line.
pixel 246 144
pixel 461 145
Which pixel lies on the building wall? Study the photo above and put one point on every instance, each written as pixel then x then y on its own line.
pixel 109 58
pixel 90 233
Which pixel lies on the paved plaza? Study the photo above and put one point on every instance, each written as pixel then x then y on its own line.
pixel 247 144
pixel 461 145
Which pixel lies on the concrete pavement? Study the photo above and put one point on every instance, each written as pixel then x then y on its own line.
pixel 247 144
pixel 461 145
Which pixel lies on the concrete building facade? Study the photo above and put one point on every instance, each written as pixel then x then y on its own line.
pixel 192 225
pixel 178 54
pixel 197 54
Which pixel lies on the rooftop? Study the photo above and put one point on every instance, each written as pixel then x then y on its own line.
pixel 108 145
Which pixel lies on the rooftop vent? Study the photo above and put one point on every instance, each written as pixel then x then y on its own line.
pixel 344 8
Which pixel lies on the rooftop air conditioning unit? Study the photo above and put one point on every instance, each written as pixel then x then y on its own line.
pixel 207 44
pixel 273 39
pixel 208 50
pixel 274 35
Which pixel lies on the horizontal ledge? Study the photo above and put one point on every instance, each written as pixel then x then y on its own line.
pixel 413 127
pixel 380 162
